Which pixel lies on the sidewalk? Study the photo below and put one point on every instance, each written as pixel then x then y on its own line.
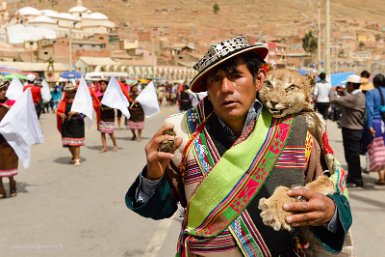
pixel 368 205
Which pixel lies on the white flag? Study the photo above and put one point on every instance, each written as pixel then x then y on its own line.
pixel 149 100
pixel 114 98
pixel 15 89
pixel 21 128
pixel 83 101
pixel 45 92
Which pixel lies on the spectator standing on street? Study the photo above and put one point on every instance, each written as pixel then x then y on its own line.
pixel 56 98
pixel 321 95
pixel 375 123
pixel 186 99
pixel 36 93
pixel 352 105
pixel 366 85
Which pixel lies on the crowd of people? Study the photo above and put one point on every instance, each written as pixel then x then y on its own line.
pixel 71 125
pixel 228 128
pixel 359 108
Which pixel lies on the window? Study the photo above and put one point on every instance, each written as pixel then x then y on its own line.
pixel 45 53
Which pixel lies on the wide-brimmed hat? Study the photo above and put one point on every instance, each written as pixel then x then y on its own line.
pixel 4 83
pixel 69 87
pixel 221 52
pixel 354 79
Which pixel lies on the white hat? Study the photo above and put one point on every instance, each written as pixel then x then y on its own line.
pixel 31 77
pixel 354 79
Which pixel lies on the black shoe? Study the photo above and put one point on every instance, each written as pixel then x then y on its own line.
pixel 354 184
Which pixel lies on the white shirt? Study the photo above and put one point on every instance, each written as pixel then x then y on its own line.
pixel 321 92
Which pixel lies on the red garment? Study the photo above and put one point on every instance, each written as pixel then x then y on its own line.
pixel 62 107
pixel 36 93
pixel 125 90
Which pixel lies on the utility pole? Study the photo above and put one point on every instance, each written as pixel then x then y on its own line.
pixel 327 38
pixel 153 52
pixel 70 49
pixel 319 38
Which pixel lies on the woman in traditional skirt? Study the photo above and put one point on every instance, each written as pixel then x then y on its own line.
pixel 107 121
pixel 136 120
pixel 71 124
pixel 376 127
pixel 8 157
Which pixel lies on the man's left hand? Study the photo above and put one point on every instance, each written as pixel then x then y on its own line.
pixel 317 210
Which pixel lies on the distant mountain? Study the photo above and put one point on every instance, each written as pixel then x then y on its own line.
pixel 196 20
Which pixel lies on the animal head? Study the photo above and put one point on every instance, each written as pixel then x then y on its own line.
pixel 285 92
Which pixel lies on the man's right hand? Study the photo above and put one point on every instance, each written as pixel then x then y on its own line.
pixel 157 161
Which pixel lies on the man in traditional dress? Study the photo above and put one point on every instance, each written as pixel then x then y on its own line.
pixel 228 154
pixel 8 157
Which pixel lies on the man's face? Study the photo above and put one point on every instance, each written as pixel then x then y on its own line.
pixel 232 94
pixel 349 87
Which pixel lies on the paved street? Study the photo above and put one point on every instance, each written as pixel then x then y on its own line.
pixel 67 211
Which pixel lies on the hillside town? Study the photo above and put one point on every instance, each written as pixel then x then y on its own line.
pixel 88 41
pixel 208 128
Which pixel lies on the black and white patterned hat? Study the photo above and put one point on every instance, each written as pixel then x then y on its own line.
pixel 219 53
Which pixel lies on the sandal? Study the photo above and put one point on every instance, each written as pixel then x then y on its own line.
pixel 380 182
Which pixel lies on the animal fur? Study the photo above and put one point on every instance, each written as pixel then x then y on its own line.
pixel 288 92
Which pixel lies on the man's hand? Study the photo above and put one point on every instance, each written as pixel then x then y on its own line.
pixel 157 161
pixel 316 211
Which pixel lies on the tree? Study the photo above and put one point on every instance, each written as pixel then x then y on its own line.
pixel 361 45
pixel 309 43
pixel 216 8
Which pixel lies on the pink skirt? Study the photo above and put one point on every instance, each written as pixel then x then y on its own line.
pixel 135 124
pixel 8 173
pixel 66 141
pixel 106 127
pixel 376 151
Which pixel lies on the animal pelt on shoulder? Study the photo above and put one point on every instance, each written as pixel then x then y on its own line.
pixel 288 92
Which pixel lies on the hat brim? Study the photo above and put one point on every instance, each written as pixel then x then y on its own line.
pixel 196 83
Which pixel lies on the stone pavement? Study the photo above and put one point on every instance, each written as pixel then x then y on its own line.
pixel 67 211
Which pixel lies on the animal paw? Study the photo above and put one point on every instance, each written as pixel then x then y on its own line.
pixel 272 213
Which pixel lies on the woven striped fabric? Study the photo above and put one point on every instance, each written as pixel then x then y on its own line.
pixel 292 157
pixel 376 150
pixel 67 141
